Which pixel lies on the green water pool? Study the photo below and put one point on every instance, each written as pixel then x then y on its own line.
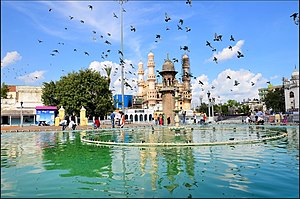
pixel 59 164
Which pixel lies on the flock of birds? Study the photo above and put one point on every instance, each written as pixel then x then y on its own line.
pixel 180 26
pixel 105 54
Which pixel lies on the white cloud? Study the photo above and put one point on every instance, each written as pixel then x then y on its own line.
pixel 224 87
pixel 10 58
pixel 274 77
pixel 130 75
pixel 227 53
pixel 32 77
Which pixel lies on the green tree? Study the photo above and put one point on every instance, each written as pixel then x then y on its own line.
pixel 244 109
pixel 108 72
pixel 203 108
pixel 224 109
pixel 4 90
pixel 49 96
pixel 232 103
pixel 84 88
pixel 275 99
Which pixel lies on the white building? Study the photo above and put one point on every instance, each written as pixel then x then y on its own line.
pixel 30 96
pixel 291 92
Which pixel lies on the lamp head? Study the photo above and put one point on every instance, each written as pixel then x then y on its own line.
pixel 208 94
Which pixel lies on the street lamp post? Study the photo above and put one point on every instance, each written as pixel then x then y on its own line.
pixel 208 95
pixel 21 113
pixel 212 108
pixel 201 97
pixel 122 55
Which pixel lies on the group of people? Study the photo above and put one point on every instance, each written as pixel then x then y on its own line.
pixel 119 119
pixel 159 120
pixel 202 118
pixel 116 119
pixel 259 118
pixel 68 122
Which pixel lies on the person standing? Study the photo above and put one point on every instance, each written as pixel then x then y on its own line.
pixel 122 120
pixel 72 124
pixel 112 118
pixel 183 114
pixel 96 123
pixel 195 118
pixel 160 120
pixel 155 119
pixel 64 123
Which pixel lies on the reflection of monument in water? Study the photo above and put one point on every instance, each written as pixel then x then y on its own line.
pixel 161 96
pixel 175 161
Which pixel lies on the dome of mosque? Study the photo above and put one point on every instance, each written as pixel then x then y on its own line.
pixel 140 64
pixel 185 56
pixel 151 54
pixel 168 65
pixel 295 74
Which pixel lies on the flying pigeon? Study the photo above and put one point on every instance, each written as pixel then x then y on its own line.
pixel 181 21
pixel 115 15
pixel 215 60
pixel 132 28
pixel 218 37
pixel 208 44
pixel 231 38
pixel 239 54
pixel 189 2
pixel 236 83
pixel 185 48
pixel 167 18
pixel 107 42
pixel 294 15
pixel 120 52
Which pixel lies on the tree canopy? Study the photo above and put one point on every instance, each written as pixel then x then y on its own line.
pixel 4 90
pixel 85 88
pixel 275 100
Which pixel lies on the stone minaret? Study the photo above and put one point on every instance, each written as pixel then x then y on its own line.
pixel 168 74
pixel 140 80
pixel 151 79
pixel 186 81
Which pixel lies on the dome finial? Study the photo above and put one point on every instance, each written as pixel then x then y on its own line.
pixel 167 56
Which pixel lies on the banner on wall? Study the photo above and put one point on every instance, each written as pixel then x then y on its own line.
pixel 45 116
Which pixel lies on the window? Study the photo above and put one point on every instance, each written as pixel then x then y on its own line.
pixel 291 94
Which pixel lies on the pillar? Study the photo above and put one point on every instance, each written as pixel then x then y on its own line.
pixel 61 113
pixel 83 120
pixel 56 121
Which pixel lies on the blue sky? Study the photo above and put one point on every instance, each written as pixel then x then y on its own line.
pixel 263 31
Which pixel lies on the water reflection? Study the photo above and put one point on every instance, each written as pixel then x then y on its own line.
pixel 59 163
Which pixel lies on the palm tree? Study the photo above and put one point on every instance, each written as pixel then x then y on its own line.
pixel 108 72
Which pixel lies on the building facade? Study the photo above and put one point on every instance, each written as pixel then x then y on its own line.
pixel 159 96
pixel 291 92
pixel 21 102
